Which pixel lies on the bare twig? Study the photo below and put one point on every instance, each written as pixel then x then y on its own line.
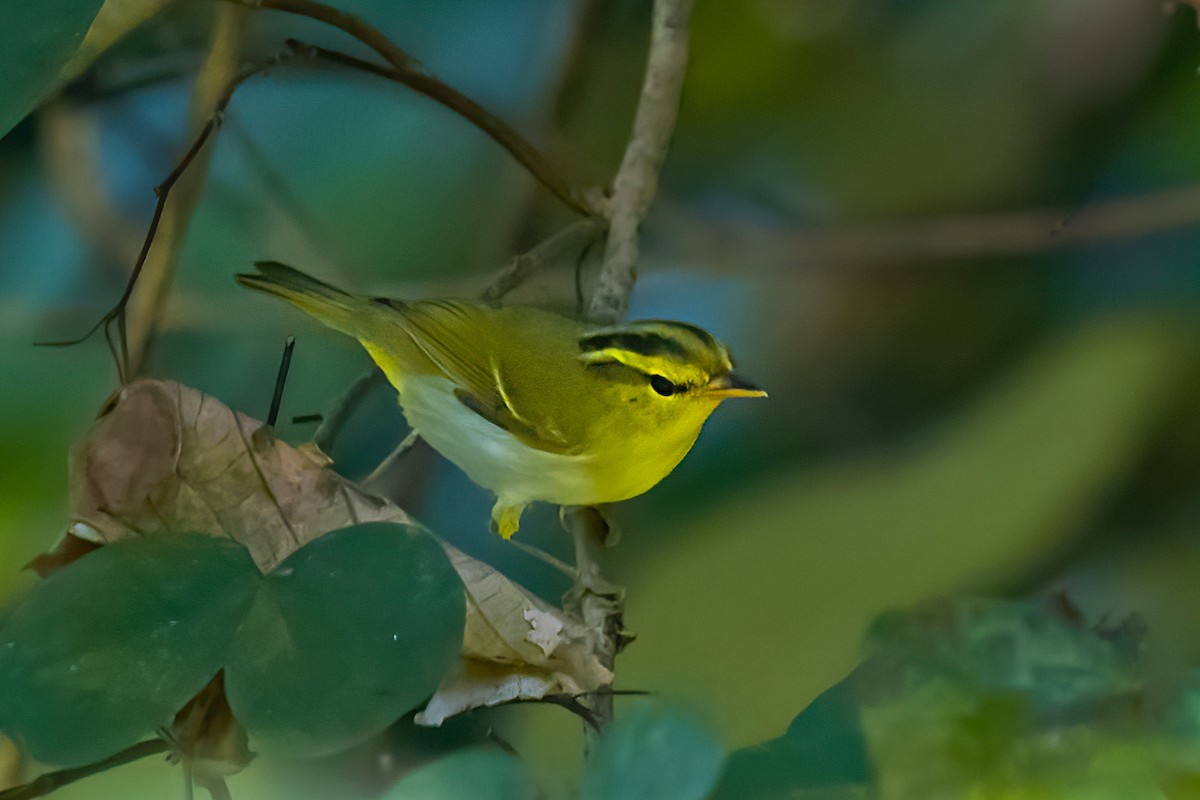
pixel 403 69
pixel 389 461
pixel 570 239
pixel 637 179
pixel 408 71
pixel 147 302
pixel 331 423
pixel 597 602
pixel 118 342
pixel 46 783
pixel 541 555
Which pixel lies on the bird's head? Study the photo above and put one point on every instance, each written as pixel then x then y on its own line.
pixel 668 362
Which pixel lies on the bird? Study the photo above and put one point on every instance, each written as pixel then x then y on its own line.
pixel 532 405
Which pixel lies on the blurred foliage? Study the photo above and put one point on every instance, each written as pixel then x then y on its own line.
pixel 981 699
pixel 997 425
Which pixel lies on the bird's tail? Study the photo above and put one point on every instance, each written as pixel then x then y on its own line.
pixel 337 309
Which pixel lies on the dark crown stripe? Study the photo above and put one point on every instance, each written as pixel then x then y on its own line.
pixel 644 344
pixel 704 336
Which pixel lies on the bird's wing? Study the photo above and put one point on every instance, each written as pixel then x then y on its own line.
pixel 442 330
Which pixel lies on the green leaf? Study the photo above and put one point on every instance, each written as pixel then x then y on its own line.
pixel 467 775
pixel 39 39
pixel 345 636
pixel 823 748
pixel 107 649
pixel 653 753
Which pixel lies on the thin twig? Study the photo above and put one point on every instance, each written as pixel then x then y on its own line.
pixel 47 782
pixel 573 238
pixel 118 345
pixel 408 71
pixel 332 423
pixel 544 557
pixel 385 466
pixel 149 299
pixel 637 179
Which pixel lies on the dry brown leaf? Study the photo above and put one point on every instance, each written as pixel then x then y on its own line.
pixel 206 735
pixel 69 548
pixel 166 458
pixel 483 683
pixel 516 646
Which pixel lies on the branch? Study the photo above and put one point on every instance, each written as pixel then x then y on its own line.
pixel 47 782
pixel 573 238
pixel 119 345
pixel 332 422
pixel 637 179
pixel 147 303
pixel 600 604
pixel 406 70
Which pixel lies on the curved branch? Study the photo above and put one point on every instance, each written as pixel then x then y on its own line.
pixel 47 782
pixel 571 239
pixel 116 315
pixel 406 70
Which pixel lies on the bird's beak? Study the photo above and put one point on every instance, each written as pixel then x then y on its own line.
pixel 730 385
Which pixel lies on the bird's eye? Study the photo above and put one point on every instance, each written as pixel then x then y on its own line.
pixel 661 385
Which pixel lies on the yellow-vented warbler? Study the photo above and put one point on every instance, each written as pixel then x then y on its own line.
pixel 530 404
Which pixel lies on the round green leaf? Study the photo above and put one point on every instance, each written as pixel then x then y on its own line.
pixel 107 649
pixel 654 753
pixel 345 636
pixel 467 775
pixel 39 39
